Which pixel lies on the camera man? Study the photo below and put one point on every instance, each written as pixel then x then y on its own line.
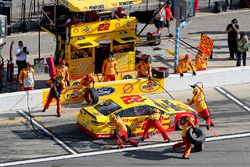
pixel 21 56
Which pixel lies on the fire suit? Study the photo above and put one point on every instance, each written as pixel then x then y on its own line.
pixel 199 102
pixel 109 69
pixel 201 62
pixel 62 72
pixel 26 79
pixel 86 81
pixel 143 69
pixel 154 122
pixel 122 133
pixel 188 149
pixel 184 66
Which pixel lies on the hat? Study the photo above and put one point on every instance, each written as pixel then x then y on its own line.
pixel 234 20
pixel 187 56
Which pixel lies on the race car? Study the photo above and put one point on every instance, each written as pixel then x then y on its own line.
pixel 134 111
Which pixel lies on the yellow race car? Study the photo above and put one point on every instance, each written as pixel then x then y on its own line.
pixel 134 111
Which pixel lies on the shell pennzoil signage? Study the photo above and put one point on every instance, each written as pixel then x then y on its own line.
pixel 74 94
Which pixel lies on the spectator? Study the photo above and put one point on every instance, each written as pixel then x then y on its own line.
pixel 159 19
pixel 21 56
pixel 119 13
pixel 169 17
pixel 243 47
pixel 185 65
pixel 26 78
pixel 232 31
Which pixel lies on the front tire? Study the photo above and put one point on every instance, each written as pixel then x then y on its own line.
pixel 195 135
pixel 91 96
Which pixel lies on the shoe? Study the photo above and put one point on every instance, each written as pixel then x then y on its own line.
pixel 208 127
pixel 58 115
pixel 185 157
pixel 44 110
pixel 170 35
pixel 142 139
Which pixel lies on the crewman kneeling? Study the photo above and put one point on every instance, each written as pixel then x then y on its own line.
pixel 144 68
pixel 87 81
pixel 185 65
pixel 201 61
pixel 121 132
pixel 55 91
pixel 154 122
pixel 109 68
pixel 199 102
pixel 26 78
pixel 189 123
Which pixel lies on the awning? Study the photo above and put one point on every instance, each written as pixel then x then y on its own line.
pixel 126 38
pixel 88 5
pixel 85 43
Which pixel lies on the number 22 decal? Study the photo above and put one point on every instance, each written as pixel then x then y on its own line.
pixel 206 45
pixel 103 27
pixel 132 99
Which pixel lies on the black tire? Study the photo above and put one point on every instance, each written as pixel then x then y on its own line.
pixel 199 147
pixel 195 135
pixel 129 130
pixel 91 96
pixel 127 77
pixel 160 72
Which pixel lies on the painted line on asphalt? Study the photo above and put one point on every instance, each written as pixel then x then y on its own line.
pixel 48 133
pixel 94 153
pixel 233 98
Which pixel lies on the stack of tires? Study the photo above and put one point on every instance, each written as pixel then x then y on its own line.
pixel 196 137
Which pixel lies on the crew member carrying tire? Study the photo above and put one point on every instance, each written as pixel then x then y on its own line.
pixel 189 123
pixel 121 132
pixel 26 78
pixel 109 69
pixel 199 102
pixel 185 65
pixel 55 91
pixel 87 81
pixel 201 61
pixel 144 68
pixel 154 121
pixel 62 72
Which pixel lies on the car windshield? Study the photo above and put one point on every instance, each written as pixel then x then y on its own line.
pixel 176 108
pixel 107 107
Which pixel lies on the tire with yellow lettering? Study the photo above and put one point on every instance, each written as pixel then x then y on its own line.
pixel 91 96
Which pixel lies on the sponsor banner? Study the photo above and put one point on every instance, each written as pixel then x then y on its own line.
pixel 75 94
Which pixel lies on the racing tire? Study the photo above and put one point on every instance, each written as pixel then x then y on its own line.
pixel 91 96
pixel 195 135
pixel 128 131
pixel 160 72
pixel 199 147
pixel 127 77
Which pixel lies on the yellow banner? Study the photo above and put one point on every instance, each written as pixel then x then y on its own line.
pixel 74 94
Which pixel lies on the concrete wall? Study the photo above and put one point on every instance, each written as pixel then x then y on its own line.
pixel 211 78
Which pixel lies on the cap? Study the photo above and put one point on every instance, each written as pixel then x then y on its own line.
pixel 187 56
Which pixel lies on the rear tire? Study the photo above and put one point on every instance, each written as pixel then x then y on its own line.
pixel 195 135
pixel 91 96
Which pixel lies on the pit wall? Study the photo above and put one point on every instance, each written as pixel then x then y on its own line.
pixel 211 78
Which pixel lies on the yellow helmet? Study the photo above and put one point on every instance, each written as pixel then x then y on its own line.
pixel 112 117
pixel 156 110
pixel 190 119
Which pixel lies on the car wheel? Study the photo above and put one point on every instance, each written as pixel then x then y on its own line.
pixel 199 147
pixel 195 135
pixel 128 130
pixel 127 77
pixel 91 96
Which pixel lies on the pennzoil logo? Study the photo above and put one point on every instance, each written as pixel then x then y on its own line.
pixel 96 7
pixel 149 86
pixel 73 94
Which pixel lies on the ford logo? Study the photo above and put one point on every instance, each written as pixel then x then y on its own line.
pixel 104 91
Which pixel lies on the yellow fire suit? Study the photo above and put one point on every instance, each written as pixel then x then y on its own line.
pixel 184 66
pixel 201 62
pixel 26 79
pixel 143 69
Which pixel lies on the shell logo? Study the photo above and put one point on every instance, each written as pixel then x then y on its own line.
pixel 149 86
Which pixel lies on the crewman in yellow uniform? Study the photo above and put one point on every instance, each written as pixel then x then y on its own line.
pixel 154 121
pixel 201 61
pixel 144 68
pixel 26 78
pixel 185 65
pixel 189 123
pixel 87 81
pixel 62 72
pixel 199 102
pixel 109 68
pixel 121 132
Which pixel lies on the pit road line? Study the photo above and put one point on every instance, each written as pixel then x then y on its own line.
pixel 231 97
pixel 48 133
pixel 64 157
